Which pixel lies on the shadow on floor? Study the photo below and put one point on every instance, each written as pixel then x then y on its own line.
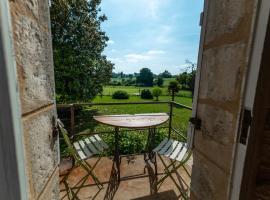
pixel 167 195
pixel 138 181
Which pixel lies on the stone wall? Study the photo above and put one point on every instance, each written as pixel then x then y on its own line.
pixel 34 60
pixel 226 51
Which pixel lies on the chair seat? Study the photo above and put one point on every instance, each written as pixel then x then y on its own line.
pixel 90 146
pixel 172 149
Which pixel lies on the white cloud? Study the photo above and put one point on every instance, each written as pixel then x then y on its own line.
pixel 149 55
pixel 110 42
pixel 134 58
pixel 155 52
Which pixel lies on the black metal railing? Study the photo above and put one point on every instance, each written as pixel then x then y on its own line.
pixel 80 125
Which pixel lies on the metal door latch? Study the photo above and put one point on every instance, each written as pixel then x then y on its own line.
pixel 196 122
pixel 246 123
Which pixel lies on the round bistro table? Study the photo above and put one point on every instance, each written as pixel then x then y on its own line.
pixel 137 121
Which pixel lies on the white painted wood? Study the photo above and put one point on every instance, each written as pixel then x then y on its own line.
pixel 177 151
pixel 96 144
pixel 171 149
pixel 13 184
pixel 191 128
pixel 258 44
pixel 101 141
pixel 85 149
pixel 79 150
pixel 165 148
pixel 161 145
pixel 91 146
pixel 182 154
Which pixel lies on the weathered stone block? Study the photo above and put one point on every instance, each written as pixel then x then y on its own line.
pixel 34 63
pixel 227 20
pixel 37 9
pixel 221 73
pixel 207 180
pixel 51 192
pixel 217 124
pixel 220 154
pixel 41 149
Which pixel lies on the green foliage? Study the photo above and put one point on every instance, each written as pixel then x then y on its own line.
pixel 173 88
pixel 159 81
pixel 165 74
pixel 186 79
pixel 146 94
pixel 145 78
pixel 156 92
pixel 78 43
pixel 120 94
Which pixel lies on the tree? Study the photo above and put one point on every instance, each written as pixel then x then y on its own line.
pixel 145 77
pixel 184 79
pixel 159 81
pixel 157 92
pixel 173 88
pixel 187 79
pixel 166 74
pixel 78 42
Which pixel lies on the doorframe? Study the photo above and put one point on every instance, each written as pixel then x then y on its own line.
pixel 242 152
pixel 12 169
pixel 257 129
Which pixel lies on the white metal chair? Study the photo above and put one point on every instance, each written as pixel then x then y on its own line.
pixel 179 154
pixel 82 150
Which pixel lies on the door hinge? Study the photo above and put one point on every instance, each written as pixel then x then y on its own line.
pixel 201 18
pixel 246 123
pixel 196 122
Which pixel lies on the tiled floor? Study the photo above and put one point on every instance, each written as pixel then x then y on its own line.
pixel 136 183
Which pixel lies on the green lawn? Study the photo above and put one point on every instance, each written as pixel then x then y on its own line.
pixel 132 90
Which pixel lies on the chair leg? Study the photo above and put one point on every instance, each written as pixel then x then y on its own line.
pixel 169 174
pixel 80 184
pixel 89 170
pixel 68 189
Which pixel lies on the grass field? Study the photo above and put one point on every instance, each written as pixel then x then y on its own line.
pixel 165 83
pixel 132 90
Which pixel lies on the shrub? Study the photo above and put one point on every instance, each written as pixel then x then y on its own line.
pixel 156 92
pixel 120 94
pixel 146 94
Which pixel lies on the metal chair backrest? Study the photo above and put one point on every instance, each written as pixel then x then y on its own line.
pixel 66 138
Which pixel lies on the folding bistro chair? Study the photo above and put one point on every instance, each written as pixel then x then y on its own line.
pixel 80 151
pixel 178 153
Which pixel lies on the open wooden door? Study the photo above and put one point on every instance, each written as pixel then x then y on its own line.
pixel 256 175
pixel 248 115
pixel 12 170
pixel 193 120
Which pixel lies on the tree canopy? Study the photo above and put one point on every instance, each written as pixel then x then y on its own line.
pixel 165 74
pixel 78 42
pixel 159 81
pixel 145 78
pixel 173 88
pixel 156 92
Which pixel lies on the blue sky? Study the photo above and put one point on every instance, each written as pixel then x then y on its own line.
pixel 158 34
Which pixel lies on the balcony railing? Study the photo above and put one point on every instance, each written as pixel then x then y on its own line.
pixel 78 119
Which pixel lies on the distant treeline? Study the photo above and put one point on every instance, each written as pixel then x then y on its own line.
pixel 148 79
